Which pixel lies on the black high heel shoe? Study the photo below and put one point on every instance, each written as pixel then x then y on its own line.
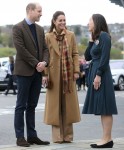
pixel 106 145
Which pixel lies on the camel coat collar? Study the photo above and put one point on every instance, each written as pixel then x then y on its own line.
pixel 55 43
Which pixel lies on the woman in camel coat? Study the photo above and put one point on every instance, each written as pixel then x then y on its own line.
pixel 62 107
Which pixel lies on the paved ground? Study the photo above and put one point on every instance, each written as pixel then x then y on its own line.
pixel 76 145
pixel 85 132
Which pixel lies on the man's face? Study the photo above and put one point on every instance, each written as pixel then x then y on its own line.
pixel 36 13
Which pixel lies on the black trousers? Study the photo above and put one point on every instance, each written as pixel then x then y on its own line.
pixel 29 88
pixel 10 85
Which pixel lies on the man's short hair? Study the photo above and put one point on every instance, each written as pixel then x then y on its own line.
pixel 30 6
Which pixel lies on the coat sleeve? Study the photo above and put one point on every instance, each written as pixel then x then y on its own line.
pixel 75 55
pixel 45 50
pixel 46 40
pixel 105 47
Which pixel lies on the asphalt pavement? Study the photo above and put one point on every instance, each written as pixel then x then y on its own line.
pixel 86 132
pixel 75 145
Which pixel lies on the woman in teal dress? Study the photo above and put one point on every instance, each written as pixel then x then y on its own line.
pixel 100 98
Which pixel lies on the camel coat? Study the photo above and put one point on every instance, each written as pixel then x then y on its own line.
pixel 52 112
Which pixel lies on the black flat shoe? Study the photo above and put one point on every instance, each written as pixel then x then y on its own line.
pixel 106 145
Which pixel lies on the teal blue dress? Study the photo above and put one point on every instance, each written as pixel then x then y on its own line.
pixel 101 101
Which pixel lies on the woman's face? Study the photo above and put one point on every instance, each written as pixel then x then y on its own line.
pixel 60 23
pixel 91 25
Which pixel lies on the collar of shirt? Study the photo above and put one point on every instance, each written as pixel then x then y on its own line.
pixel 28 21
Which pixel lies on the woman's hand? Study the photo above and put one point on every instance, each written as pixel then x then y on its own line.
pixel 76 76
pixel 97 82
pixel 45 81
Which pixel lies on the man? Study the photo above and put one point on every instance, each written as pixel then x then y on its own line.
pixel 10 76
pixel 31 59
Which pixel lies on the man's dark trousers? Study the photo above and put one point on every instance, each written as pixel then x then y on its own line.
pixel 29 88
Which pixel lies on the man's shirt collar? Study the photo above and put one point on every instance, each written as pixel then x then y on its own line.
pixel 28 21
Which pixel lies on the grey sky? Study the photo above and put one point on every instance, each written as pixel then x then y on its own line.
pixel 77 11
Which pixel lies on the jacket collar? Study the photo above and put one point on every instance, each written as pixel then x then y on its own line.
pixel 55 43
pixel 25 25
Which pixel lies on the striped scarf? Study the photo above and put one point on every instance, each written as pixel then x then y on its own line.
pixel 66 63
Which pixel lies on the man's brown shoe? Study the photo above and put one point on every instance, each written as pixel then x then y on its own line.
pixel 22 142
pixel 36 140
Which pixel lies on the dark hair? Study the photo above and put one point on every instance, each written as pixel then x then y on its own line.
pixel 99 25
pixel 55 16
pixel 11 59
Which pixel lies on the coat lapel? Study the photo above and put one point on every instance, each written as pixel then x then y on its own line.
pixel 28 31
pixel 68 37
pixel 39 36
pixel 54 44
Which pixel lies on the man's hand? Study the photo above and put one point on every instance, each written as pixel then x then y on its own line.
pixel 40 66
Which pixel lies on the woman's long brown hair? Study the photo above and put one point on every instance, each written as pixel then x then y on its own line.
pixel 99 25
